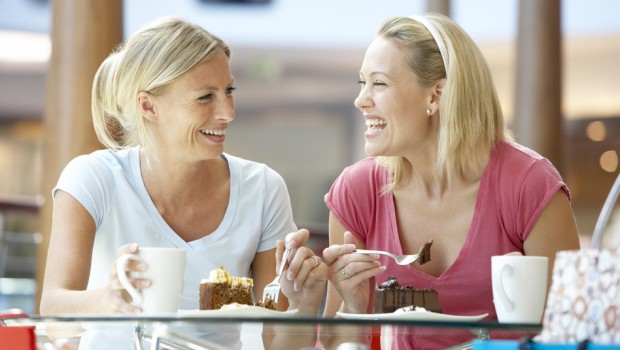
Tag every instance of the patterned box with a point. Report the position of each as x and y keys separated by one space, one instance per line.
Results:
x=584 y=299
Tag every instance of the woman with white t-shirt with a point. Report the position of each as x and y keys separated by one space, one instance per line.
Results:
x=161 y=105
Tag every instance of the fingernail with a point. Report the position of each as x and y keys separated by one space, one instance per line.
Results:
x=289 y=237
x=374 y=256
x=290 y=276
x=133 y=246
x=141 y=266
x=295 y=287
x=145 y=283
x=136 y=310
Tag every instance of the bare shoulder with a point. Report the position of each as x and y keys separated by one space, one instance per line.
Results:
x=555 y=229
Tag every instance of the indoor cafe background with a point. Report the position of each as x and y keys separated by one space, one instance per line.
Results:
x=295 y=63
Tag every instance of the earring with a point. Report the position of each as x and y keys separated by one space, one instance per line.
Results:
x=428 y=111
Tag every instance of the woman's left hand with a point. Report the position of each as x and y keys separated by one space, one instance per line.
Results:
x=304 y=280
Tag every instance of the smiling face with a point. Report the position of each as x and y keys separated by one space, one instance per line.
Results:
x=393 y=103
x=191 y=117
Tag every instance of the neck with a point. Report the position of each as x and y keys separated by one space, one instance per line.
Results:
x=172 y=180
x=419 y=169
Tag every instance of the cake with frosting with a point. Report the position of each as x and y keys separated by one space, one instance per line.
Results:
x=391 y=296
x=221 y=288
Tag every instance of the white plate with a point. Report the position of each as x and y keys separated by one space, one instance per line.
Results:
x=413 y=316
x=237 y=311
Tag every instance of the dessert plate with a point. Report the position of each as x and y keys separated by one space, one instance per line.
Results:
x=413 y=316
x=237 y=311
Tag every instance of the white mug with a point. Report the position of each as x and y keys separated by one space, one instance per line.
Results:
x=519 y=287
x=165 y=268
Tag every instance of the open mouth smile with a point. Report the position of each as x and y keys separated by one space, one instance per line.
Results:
x=216 y=132
x=375 y=126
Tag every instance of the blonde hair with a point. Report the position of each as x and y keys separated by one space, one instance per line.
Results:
x=149 y=60
x=471 y=120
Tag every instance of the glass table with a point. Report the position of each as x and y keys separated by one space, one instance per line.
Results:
x=179 y=331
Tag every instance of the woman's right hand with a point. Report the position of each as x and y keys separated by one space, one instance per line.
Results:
x=119 y=299
x=306 y=275
x=350 y=274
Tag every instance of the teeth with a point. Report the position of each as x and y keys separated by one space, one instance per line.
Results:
x=217 y=132
x=375 y=122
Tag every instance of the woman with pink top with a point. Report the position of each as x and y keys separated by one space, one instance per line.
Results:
x=441 y=168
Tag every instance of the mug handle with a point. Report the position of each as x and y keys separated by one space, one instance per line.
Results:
x=501 y=292
x=135 y=294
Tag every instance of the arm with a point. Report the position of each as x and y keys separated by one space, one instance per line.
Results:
x=68 y=265
x=333 y=301
x=303 y=282
x=305 y=278
x=357 y=288
x=263 y=272
x=553 y=231
x=360 y=267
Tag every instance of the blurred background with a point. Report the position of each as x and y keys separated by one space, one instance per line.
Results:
x=295 y=65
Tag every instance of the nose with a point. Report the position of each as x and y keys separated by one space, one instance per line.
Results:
x=226 y=110
x=363 y=100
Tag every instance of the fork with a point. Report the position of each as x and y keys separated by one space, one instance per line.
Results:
x=272 y=290
x=422 y=257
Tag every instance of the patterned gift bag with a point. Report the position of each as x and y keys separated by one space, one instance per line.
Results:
x=584 y=299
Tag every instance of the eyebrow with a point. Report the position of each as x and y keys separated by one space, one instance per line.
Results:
x=376 y=73
x=211 y=87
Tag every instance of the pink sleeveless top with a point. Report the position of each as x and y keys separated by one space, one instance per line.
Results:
x=515 y=187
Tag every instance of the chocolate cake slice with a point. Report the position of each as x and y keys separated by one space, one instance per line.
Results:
x=390 y=296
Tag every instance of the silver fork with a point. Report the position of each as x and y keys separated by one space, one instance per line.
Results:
x=422 y=257
x=272 y=290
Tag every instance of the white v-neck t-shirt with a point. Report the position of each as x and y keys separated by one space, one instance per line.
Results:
x=109 y=185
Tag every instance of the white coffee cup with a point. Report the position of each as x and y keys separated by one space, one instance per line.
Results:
x=519 y=287
x=165 y=268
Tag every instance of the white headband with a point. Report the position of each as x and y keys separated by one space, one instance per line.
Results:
x=440 y=43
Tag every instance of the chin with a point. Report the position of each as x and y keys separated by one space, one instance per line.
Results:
x=371 y=152
x=211 y=154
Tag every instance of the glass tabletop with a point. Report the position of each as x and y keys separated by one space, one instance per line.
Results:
x=211 y=330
